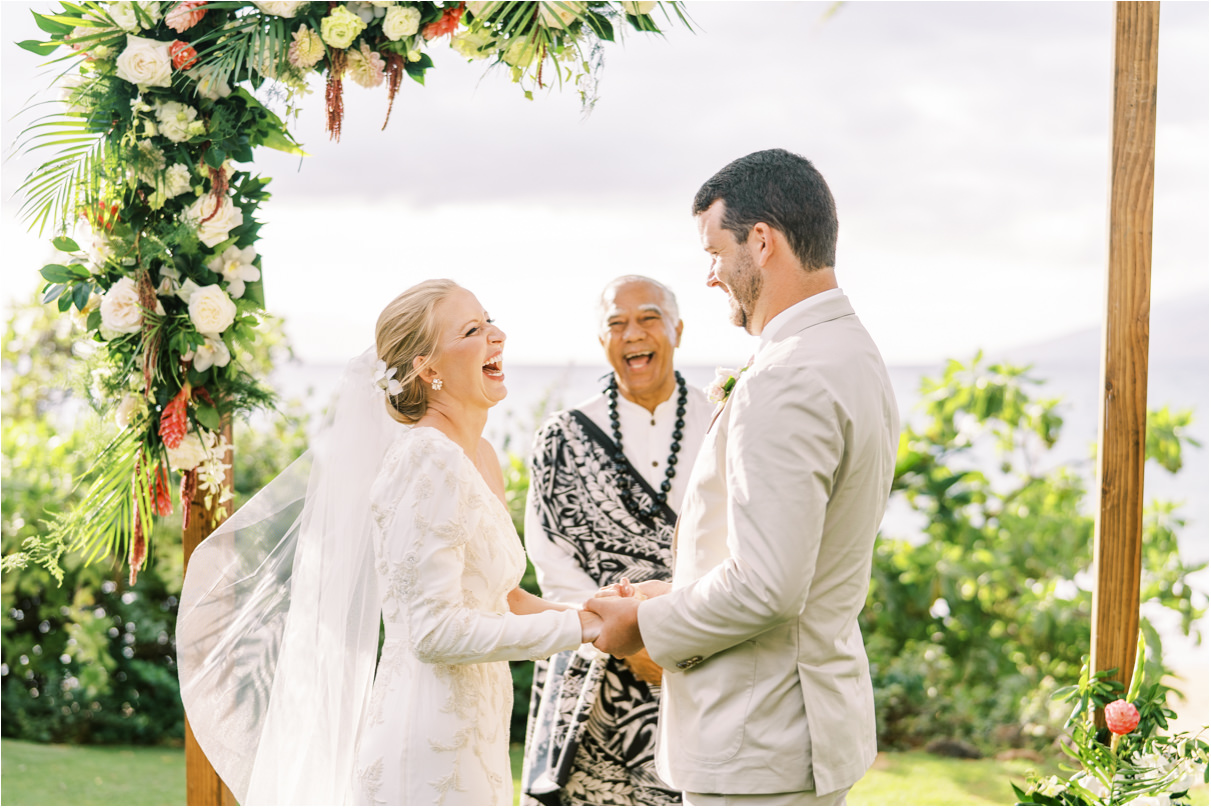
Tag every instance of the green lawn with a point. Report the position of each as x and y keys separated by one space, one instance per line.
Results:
x=37 y=774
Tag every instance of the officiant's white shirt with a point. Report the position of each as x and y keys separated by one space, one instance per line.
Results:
x=646 y=437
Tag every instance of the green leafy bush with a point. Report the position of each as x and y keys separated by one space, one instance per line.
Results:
x=91 y=661
x=990 y=603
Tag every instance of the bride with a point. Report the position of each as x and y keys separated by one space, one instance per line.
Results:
x=397 y=513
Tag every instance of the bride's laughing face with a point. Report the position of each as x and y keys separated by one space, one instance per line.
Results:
x=470 y=354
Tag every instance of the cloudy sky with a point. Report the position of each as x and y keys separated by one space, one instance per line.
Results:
x=967 y=145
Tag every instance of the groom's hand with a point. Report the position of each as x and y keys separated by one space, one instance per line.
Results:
x=620 y=633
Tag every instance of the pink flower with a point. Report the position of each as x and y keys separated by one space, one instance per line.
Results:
x=183 y=55
x=1122 y=717
x=365 y=66
x=185 y=15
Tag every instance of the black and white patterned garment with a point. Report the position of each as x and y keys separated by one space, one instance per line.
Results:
x=591 y=735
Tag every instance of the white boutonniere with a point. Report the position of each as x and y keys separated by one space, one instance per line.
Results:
x=725 y=380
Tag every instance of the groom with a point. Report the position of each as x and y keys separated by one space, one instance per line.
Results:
x=767 y=692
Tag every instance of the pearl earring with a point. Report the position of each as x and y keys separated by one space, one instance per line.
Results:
x=437 y=384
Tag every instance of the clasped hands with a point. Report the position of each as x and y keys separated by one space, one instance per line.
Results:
x=617 y=626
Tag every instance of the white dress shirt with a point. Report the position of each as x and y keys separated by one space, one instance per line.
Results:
x=646 y=437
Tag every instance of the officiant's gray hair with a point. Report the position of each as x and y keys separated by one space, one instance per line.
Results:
x=406 y=329
x=668 y=299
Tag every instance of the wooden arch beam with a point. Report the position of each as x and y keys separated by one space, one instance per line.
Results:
x=1122 y=421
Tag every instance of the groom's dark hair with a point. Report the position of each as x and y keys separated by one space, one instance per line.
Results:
x=783 y=190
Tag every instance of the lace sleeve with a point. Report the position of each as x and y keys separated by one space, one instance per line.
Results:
x=437 y=515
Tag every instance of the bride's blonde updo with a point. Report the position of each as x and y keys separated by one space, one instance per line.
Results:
x=406 y=329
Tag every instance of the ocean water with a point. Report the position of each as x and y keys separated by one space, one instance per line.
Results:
x=537 y=389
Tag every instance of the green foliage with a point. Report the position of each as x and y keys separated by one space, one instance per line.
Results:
x=92 y=660
x=1142 y=766
x=989 y=603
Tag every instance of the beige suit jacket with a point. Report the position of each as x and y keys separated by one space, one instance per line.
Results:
x=768 y=686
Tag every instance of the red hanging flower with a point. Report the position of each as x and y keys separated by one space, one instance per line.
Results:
x=174 y=421
x=138 y=547
x=183 y=55
x=189 y=487
x=1122 y=717
x=446 y=24
x=161 y=499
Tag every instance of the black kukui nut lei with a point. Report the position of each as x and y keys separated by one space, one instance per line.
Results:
x=620 y=459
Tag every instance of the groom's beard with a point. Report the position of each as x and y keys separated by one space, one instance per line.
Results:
x=745 y=288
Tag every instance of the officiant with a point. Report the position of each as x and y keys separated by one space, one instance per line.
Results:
x=606 y=480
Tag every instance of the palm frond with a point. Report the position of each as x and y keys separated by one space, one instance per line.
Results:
x=103 y=521
x=71 y=178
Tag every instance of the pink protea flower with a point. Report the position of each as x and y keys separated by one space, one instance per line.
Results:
x=1122 y=717
x=185 y=15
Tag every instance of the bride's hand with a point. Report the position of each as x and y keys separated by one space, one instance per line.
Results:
x=642 y=590
x=622 y=589
x=590 y=626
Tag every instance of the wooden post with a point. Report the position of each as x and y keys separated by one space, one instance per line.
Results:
x=202 y=783
x=1123 y=418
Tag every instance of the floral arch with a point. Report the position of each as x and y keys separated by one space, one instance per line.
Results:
x=163 y=104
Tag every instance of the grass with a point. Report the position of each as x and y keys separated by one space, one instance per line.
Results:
x=48 y=774
x=38 y=774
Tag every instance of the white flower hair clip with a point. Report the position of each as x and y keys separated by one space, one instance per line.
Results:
x=384 y=379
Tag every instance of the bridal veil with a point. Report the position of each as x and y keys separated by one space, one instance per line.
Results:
x=277 y=631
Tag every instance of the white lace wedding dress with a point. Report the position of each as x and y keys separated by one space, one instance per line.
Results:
x=437 y=728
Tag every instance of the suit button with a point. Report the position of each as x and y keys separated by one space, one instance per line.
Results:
x=688 y=663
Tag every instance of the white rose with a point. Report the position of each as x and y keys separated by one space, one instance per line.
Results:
x=177 y=180
x=281 y=9
x=211 y=353
x=174 y=119
x=211 y=310
x=131 y=406
x=640 y=8
x=123 y=15
x=120 y=309
x=189 y=453
x=214 y=231
x=401 y=21
x=152 y=9
x=145 y=62
x=558 y=14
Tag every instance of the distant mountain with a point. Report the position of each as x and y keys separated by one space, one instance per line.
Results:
x=1178 y=334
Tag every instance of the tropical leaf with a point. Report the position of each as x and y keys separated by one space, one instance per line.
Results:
x=55 y=190
x=103 y=522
